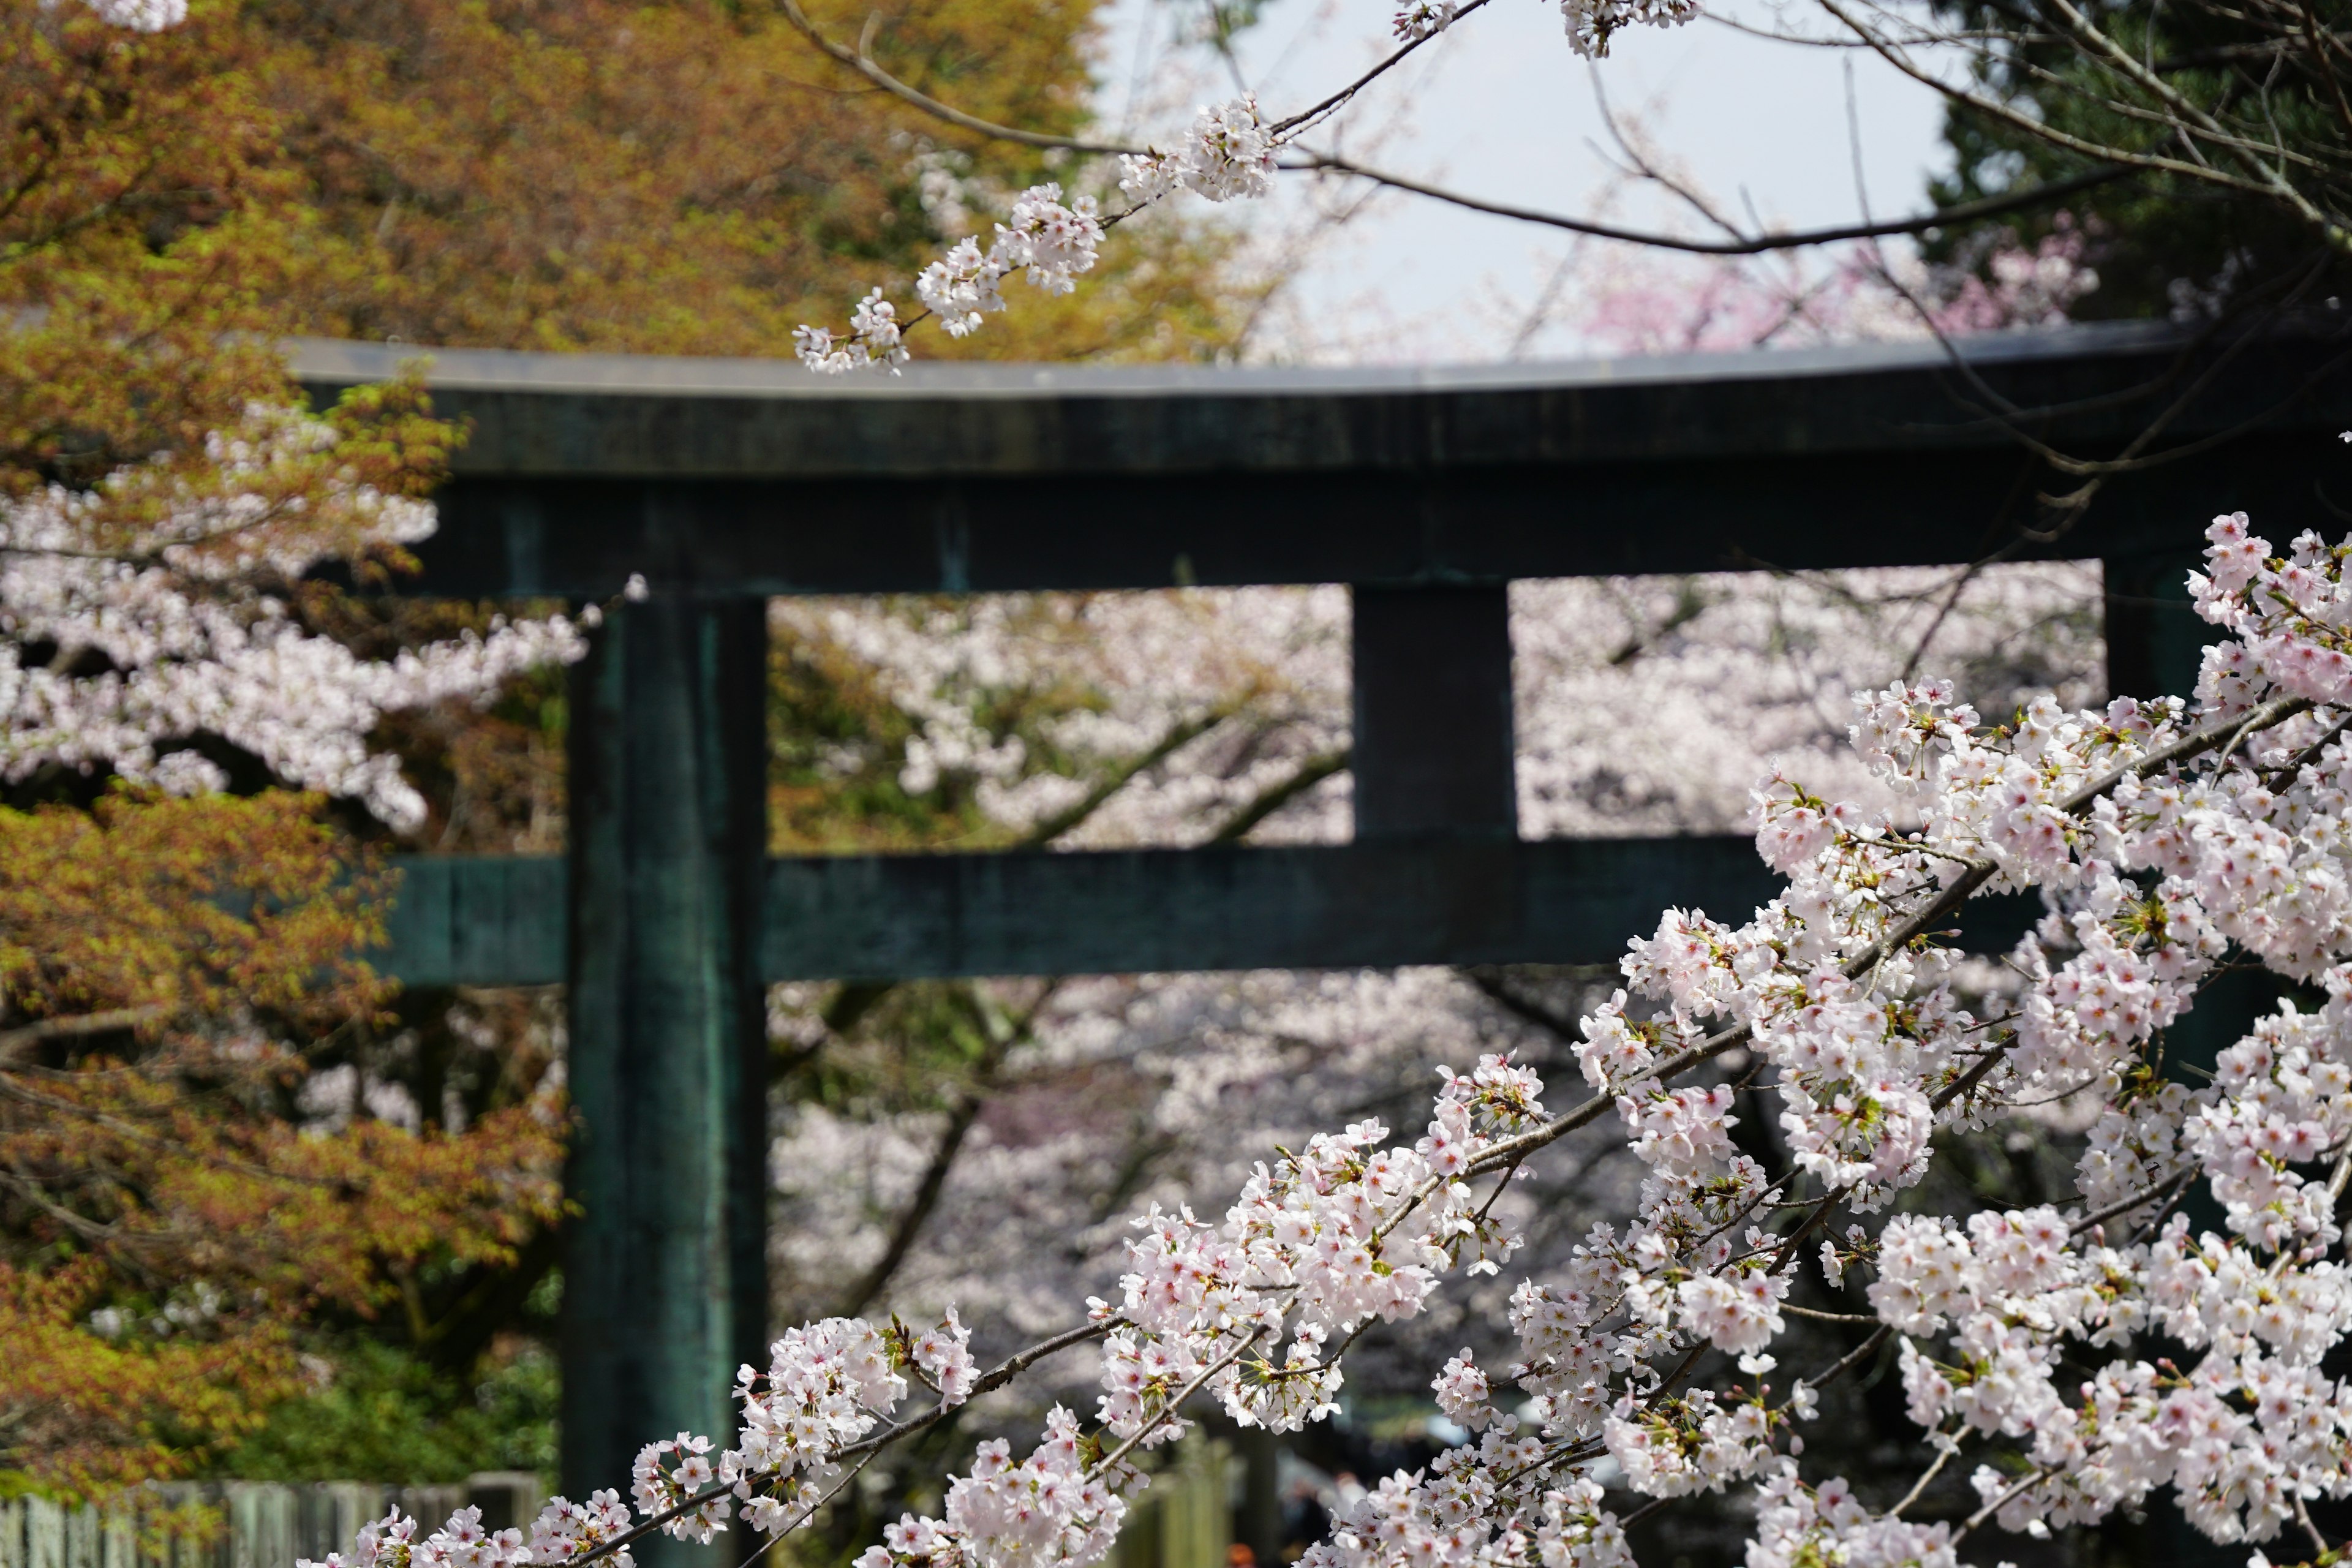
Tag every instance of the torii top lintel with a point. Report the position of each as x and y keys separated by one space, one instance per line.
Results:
x=755 y=476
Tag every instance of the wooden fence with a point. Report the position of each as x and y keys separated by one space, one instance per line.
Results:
x=250 y=1524
x=1183 y=1520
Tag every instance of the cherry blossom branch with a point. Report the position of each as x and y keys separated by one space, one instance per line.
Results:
x=2034 y=1480
x=1161 y=1416
x=1391 y=61
x=2137 y=1200
x=994 y=1378
x=1359 y=1228
x=2287 y=772
x=1954 y=895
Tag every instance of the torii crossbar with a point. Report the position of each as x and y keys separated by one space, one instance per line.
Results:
x=725 y=482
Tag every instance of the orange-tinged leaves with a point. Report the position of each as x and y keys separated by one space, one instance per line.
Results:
x=171 y=1209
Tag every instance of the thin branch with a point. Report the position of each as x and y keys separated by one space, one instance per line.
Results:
x=2310 y=1532
x=2137 y=1200
x=1921 y=1486
x=2032 y=1480
x=2287 y=772
x=1177 y=738
x=15 y=1042
x=1818 y=1316
x=919 y=1208
x=1306 y=777
x=861 y=60
x=1852 y=1359
x=1395 y=58
x=1757 y=245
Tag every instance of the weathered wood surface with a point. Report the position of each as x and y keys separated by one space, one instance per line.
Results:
x=1409 y=901
x=740 y=477
x=1432 y=747
x=666 y=1264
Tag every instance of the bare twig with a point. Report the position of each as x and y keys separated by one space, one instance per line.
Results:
x=1921 y=1487
x=15 y=1042
x=2137 y=1200
x=861 y=60
x=1748 y=245
x=1306 y=777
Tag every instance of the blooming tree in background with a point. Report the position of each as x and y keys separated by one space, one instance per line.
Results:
x=149 y=610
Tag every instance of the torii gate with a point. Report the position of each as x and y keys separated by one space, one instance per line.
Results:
x=724 y=482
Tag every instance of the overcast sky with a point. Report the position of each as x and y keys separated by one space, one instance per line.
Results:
x=1499 y=107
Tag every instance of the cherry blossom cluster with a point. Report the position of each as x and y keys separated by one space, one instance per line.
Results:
x=391 y=1542
x=1592 y=24
x=1052 y=1507
x=1798 y=1524
x=145 y=614
x=1227 y=153
x=1350 y=1231
x=564 y=1531
x=1049 y=242
x=2252 y=1427
x=1419 y=20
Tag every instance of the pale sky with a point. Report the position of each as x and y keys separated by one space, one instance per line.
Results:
x=1500 y=107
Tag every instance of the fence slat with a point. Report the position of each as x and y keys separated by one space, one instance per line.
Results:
x=269 y=1525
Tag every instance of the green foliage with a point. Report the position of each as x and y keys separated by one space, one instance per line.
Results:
x=2159 y=242
x=383 y=1414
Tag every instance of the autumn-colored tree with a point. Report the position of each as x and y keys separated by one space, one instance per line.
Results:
x=683 y=177
x=179 y=1184
x=201 y=1163
x=182 y=1186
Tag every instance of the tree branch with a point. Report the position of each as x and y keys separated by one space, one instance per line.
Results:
x=1309 y=773
x=1757 y=245
x=15 y=1042
x=861 y=60
x=960 y=1117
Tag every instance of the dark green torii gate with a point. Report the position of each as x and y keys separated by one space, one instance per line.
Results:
x=724 y=482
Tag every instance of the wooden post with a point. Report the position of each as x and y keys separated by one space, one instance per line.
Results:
x=2155 y=640
x=1433 y=711
x=665 y=1279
